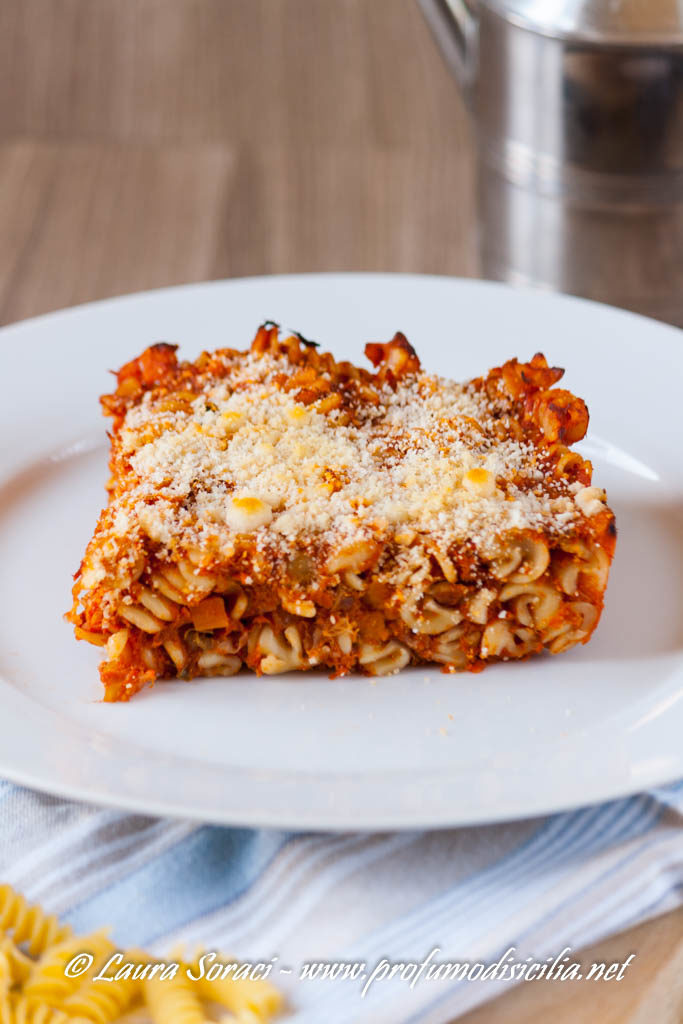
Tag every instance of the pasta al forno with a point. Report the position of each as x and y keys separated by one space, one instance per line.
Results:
x=278 y=510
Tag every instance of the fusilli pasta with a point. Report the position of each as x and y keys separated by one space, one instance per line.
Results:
x=28 y=923
x=35 y=987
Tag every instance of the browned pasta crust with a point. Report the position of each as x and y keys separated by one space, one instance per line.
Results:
x=277 y=509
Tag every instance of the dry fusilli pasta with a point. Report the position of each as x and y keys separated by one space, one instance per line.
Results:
x=35 y=987
x=28 y=923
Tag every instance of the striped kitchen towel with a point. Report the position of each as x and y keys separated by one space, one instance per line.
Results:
x=464 y=896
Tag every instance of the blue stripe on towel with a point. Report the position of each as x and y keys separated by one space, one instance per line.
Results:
x=478 y=900
x=539 y=885
x=634 y=817
x=208 y=869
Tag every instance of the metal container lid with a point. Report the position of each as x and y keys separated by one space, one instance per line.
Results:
x=618 y=22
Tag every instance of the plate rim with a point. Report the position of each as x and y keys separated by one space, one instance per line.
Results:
x=255 y=279
x=23 y=775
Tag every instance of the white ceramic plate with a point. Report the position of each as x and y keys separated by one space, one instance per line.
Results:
x=419 y=749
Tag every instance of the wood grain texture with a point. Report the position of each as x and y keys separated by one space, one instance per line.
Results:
x=84 y=221
x=151 y=142
x=651 y=991
x=294 y=71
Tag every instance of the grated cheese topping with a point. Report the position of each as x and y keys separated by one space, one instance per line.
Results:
x=248 y=458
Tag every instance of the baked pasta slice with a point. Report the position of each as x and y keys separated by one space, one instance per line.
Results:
x=279 y=510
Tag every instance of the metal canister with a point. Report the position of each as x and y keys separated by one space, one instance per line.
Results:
x=578 y=107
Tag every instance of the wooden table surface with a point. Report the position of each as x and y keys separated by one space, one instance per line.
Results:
x=153 y=142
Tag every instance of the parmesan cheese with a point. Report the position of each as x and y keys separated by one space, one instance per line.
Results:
x=425 y=460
